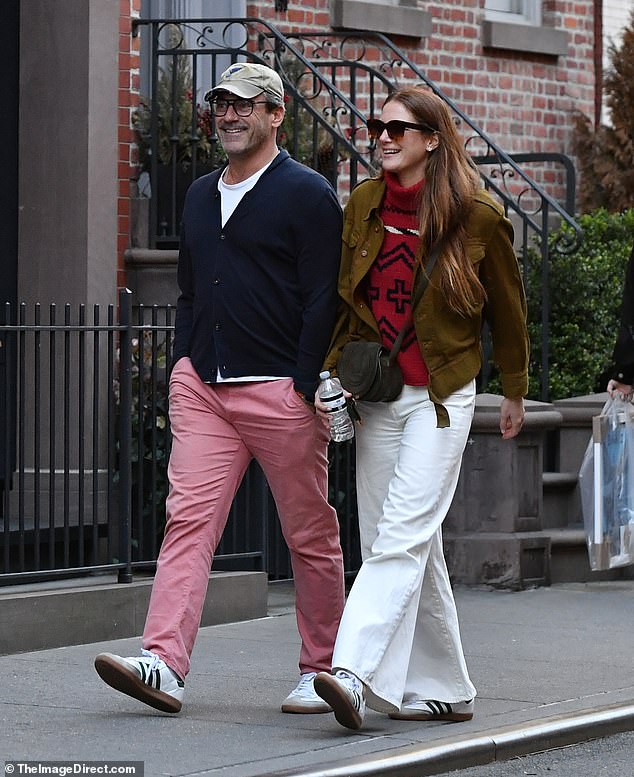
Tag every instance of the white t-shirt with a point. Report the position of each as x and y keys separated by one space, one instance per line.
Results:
x=230 y=196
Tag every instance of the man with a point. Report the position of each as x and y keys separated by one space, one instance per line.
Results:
x=258 y=266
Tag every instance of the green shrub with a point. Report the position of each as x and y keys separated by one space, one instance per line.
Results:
x=585 y=297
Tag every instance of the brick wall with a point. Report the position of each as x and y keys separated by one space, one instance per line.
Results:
x=129 y=83
x=524 y=102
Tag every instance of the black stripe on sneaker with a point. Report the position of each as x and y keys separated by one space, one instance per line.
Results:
x=143 y=671
x=157 y=679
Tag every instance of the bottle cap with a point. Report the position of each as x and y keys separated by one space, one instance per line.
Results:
x=323 y=375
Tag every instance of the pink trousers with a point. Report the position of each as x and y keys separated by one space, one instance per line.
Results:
x=216 y=431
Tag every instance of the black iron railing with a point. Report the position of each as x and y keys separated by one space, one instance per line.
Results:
x=333 y=82
x=86 y=438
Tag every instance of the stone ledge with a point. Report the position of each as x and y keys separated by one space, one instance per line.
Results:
x=524 y=37
x=42 y=617
x=150 y=257
x=388 y=19
x=560 y=481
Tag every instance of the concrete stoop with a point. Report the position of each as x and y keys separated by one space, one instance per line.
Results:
x=518 y=560
x=563 y=524
x=569 y=560
x=43 y=616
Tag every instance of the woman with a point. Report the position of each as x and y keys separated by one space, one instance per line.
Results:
x=398 y=648
x=623 y=357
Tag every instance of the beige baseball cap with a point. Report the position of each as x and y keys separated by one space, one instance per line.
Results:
x=248 y=79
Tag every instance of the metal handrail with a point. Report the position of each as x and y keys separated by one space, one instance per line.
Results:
x=322 y=62
x=283 y=44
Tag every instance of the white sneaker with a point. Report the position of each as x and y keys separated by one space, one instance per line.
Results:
x=345 y=694
x=419 y=709
x=146 y=678
x=304 y=699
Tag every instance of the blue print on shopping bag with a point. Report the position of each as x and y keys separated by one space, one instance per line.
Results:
x=606 y=482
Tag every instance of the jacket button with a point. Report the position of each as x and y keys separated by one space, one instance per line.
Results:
x=218 y=327
x=216 y=281
x=222 y=235
x=364 y=252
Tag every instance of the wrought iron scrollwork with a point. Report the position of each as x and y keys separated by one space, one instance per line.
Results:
x=333 y=81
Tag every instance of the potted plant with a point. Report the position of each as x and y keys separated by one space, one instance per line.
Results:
x=183 y=142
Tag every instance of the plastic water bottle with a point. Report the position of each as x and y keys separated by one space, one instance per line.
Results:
x=331 y=394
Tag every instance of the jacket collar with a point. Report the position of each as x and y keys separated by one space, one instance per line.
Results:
x=376 y=188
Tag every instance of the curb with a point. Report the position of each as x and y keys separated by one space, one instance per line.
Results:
x=496 y=745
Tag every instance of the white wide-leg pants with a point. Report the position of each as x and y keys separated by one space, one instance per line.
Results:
x=399 y=632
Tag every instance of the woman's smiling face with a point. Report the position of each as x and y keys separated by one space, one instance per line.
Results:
x=405 y=158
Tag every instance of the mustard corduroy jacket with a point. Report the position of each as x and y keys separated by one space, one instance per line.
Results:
x=449 y=342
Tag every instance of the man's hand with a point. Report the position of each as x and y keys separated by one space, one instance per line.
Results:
x=511 y=417
x=320 y=407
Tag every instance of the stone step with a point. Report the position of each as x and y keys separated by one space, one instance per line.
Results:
x=569 y=559
x=561 y=503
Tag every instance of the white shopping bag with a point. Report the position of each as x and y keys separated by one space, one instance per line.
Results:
x=606 y=482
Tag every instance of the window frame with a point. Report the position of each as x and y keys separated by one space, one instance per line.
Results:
x=530 y=14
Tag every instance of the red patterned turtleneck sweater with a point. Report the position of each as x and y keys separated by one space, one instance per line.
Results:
x=389 y=285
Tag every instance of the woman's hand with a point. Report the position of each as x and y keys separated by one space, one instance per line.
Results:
x=620 y=390
x=511 y=417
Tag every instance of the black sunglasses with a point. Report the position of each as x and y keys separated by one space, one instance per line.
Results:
x=395 y=128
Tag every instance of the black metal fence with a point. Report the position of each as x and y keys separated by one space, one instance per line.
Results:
x=333 y=81
x=85 y=434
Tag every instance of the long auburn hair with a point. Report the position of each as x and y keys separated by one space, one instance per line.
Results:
x=451 y=182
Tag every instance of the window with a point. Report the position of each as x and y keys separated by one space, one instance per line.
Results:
x=514 y=11
x=516 y=25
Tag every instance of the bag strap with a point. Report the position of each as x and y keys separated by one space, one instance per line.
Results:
x=422 y=285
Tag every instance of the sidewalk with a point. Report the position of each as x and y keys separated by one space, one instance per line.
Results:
x=552 y=666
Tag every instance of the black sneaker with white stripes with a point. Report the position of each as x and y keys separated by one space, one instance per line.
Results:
x=146 y=678
x=420 y=709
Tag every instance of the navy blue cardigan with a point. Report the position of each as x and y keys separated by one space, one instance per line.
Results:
x=259 y=296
